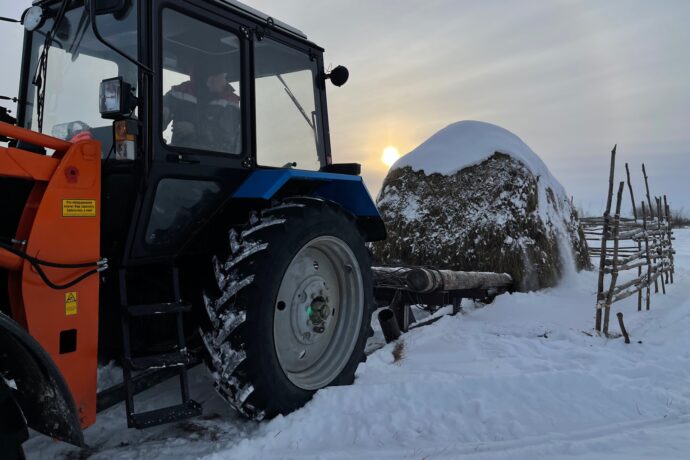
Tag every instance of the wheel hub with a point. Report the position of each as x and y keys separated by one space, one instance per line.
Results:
x=319 y=311
x=311 y=310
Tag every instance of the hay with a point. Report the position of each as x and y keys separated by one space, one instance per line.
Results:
x=485 y=217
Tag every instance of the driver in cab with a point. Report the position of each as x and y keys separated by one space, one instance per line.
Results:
x=204 y=112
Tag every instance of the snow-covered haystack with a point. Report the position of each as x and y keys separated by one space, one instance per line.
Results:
x=475 y=197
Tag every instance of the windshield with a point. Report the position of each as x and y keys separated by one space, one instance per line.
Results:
x=77 y=62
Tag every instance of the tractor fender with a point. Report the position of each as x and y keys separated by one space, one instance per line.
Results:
x=42 y=394
x=348 y=191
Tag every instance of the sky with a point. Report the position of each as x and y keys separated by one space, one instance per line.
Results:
x=571 y=78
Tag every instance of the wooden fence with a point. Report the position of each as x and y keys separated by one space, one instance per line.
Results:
x=635 y=253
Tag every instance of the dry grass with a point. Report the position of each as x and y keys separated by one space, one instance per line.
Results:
x=399 y=351
x=448 y=222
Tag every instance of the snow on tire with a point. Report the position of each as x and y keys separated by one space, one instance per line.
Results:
x=294 y=311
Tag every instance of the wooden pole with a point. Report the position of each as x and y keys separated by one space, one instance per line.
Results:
x=614 y=269
x=651 y=217
x=604 y=236
x=623 y=331
x=639 y=243
x=632 y=195
x=649 y=199
x=670 y=237
x=609 y=199
x=660 y=245
x=649 y=259
x=664 y=241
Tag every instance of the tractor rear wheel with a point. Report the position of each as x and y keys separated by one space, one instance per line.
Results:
x=295 y=307
x=13 y=431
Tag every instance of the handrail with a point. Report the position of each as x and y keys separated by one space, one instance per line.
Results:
x=32 y=137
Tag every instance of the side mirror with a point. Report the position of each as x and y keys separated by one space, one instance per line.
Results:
x=109 y=6
x=339 y=75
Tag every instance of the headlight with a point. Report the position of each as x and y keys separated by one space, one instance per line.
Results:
x=116 y=98
x=32 y=18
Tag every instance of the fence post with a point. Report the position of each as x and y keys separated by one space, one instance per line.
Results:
x=632 y=195
x=649 y=259
x=604 y=239
x=614 y=265
x=660 y=244
x=651 y=217
x=670 y=237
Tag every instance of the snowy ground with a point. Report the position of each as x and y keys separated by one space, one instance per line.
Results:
x=522 y=378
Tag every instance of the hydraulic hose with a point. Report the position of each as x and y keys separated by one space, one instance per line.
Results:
x=37 y=264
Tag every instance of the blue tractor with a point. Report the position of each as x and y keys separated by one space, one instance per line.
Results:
x=170 y=198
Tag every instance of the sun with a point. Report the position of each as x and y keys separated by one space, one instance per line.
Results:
x=390 y=155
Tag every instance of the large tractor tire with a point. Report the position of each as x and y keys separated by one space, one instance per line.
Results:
x=295 y=307
x=13 y=431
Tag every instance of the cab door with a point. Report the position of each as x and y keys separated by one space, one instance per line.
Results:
x=200 y=132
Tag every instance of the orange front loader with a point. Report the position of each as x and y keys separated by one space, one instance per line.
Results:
x=53 y=264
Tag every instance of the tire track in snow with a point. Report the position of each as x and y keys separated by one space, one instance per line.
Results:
x=506 y=447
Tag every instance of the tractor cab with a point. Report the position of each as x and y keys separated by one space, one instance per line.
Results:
x=186 y=98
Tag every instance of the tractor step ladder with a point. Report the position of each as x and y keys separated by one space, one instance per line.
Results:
x=179 y=358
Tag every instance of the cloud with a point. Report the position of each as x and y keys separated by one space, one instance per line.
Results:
x=570 y=77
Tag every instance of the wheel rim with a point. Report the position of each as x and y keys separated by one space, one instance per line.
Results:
x=318 y=312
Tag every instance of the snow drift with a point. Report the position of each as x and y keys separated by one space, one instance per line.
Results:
x=475 y=197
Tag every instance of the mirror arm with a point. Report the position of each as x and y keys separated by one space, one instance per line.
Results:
x=94 y=27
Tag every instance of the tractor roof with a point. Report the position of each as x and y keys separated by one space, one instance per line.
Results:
x=246 y=10
x=263 y=17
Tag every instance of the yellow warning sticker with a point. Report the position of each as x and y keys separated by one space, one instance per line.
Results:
x=78 y=208
x=70 y=303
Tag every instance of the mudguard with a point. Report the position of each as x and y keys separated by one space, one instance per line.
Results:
x=346 y=190
x=42 y=393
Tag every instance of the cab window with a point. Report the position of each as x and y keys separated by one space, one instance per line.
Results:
x=288 y=118
x=201 y=85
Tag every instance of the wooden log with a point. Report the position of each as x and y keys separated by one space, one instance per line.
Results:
x=629 y=258
x=631 y=234
x=426 y=280
x=624 y=295
x=614 y=269
x=599 y=221
x=623 y=287
x=621 y=251
x=622 y=268
x=635 y=288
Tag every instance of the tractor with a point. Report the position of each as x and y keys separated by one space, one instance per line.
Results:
x=169 y=199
